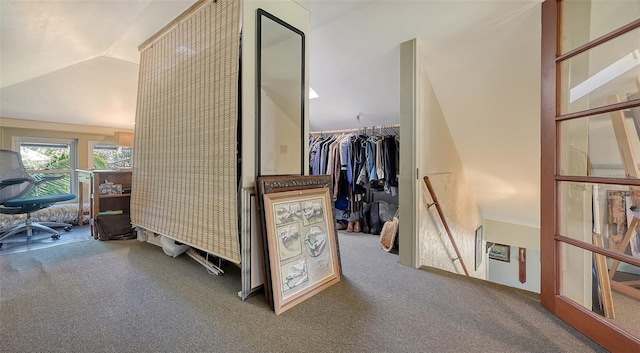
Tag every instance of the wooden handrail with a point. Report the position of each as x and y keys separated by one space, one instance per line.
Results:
x=427 y=182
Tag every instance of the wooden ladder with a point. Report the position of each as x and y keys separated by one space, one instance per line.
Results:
x=630 y=164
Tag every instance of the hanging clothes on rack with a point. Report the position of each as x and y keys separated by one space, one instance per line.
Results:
x=390 y=151
x=358 y=161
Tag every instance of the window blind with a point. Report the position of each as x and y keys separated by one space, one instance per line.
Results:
x=184 y=165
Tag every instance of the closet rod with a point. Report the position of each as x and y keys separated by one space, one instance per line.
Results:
x=370 y=128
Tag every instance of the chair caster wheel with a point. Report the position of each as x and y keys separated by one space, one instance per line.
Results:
x=67 y=229
x=55 y=236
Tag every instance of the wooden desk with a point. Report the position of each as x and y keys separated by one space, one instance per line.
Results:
x=100 y=203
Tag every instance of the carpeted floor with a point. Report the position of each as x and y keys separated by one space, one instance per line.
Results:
x=41 y=240
x=128 y=296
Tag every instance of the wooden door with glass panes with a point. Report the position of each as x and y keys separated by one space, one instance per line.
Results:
x=590 y=184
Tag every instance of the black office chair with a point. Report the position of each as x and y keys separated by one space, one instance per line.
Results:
x=15 y=182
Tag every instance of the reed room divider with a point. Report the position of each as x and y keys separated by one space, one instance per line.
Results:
x=185 y=159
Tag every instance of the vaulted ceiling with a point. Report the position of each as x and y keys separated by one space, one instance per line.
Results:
x=77 y=62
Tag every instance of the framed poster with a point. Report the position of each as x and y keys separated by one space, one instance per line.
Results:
x=500 y=252
x=479 y=247
x=301 y=242
x=282 y=183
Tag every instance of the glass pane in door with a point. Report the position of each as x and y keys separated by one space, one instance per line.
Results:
x=586 y=20
x=591 y=146
x=608 y=210
x=589 y=79
x=604 y=286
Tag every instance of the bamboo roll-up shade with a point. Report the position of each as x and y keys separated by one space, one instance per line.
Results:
x=184 y=174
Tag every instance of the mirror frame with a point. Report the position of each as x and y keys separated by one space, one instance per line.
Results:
x=260 y=14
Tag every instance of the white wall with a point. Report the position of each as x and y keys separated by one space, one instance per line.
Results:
x=408 y=178
x=437 y=158
x=516 y=236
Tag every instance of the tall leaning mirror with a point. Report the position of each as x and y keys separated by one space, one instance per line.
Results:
x=279 y=97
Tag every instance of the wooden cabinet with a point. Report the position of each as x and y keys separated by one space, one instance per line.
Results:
x=103 y=203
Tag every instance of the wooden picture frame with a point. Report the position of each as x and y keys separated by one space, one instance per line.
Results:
x=500 y=252
x=479 y=247
x=301 y=242
x=281 y=183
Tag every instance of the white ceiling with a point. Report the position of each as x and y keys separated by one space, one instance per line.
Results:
x=77 y=61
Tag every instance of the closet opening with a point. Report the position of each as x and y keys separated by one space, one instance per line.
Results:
x=364 y=167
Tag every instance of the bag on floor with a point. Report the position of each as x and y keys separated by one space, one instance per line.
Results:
x=116 y=227
x=171 y=247
x=388 y=233
x=375 y=221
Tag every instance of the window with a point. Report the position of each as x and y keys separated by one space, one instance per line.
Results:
x=109 y=156
x=42 y=156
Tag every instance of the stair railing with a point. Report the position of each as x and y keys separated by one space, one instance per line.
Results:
x=427 y=182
